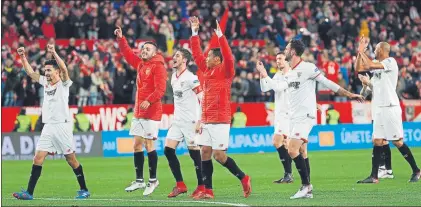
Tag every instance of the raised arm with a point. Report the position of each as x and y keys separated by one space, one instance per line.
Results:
x=363 y=62
x=26 y=65
x=63 y=68
x=126 y=51
x=369 y=64
x=359 y=63
x=267 y=83
x=228 y=58
x=197 y=53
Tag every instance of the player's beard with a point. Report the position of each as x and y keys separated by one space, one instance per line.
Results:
x=288 y=57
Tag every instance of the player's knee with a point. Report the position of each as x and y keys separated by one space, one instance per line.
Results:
x=149 y=146
x=71 y=160
x=138 y=147
x=303 y=153
x=276 y=143
x=378 y=142
x=293 y=152
x=398 y=143
x=38 y=160
x=220 y=156
x=206 y=153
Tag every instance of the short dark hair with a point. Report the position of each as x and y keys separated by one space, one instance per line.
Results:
x=186 y=54
x=280 y=53
x=51 y=62
x=151 y=43
x=217 y=53
x=298 y=46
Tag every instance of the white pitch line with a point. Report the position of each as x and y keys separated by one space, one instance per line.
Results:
x=132 y=200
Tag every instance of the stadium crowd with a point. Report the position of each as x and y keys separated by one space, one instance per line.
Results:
x=330 y=29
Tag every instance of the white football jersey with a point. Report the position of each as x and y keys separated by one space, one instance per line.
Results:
x=55 y=105
x=384 y=83
x=186 y=102
x=302 y=90
x=281 y=97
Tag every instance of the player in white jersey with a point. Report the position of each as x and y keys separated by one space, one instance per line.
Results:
x=385 y=165
x=281 y=123
x=300 y=83
x=388 y=116
x=186 y=123
x=57 y=134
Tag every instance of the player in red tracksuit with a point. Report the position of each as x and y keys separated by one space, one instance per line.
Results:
x=217 y=71
x=150 y=82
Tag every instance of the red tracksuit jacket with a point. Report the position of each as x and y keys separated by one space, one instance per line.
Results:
x=150 y=81
x=216 y=82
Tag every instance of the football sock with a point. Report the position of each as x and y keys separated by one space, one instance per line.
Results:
x=174 y=163
x=382 y=161
x=407 y=154
x=300 y=164
x=35 y=174
x=139 y=159
x=233 y=168
x=375 y=160
x=80 y=177
x=153 y=163
x=207 y=171
x=285 y=158
x=387 y=157
x=308 y=167
x=197 y=160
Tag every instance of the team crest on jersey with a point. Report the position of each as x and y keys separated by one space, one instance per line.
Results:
x=295 y=85
x=182 y=83
x=52 y=92
x=299 y=74
x=148 y=71
x=178 y=94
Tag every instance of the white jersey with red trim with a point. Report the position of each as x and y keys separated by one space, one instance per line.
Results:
x=302 y=90
x=384 y=83
x=186 y=88
x=55 y=105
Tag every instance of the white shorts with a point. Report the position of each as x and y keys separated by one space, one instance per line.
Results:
x=145 y=128
x=183 y=131
x=216 y=136
x=388 y=123
x=300 y=128
x=282 y=127
x=57 y=139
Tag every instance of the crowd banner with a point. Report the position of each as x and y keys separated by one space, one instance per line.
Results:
x=21 y=146
x=109 y=117
x=259 y=139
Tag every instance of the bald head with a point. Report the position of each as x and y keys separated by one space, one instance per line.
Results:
x=385 y=47
x=382 y=50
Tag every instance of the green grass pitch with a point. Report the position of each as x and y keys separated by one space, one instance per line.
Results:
x=333 y=174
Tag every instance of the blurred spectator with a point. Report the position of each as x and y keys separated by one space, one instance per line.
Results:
x=48 y=28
